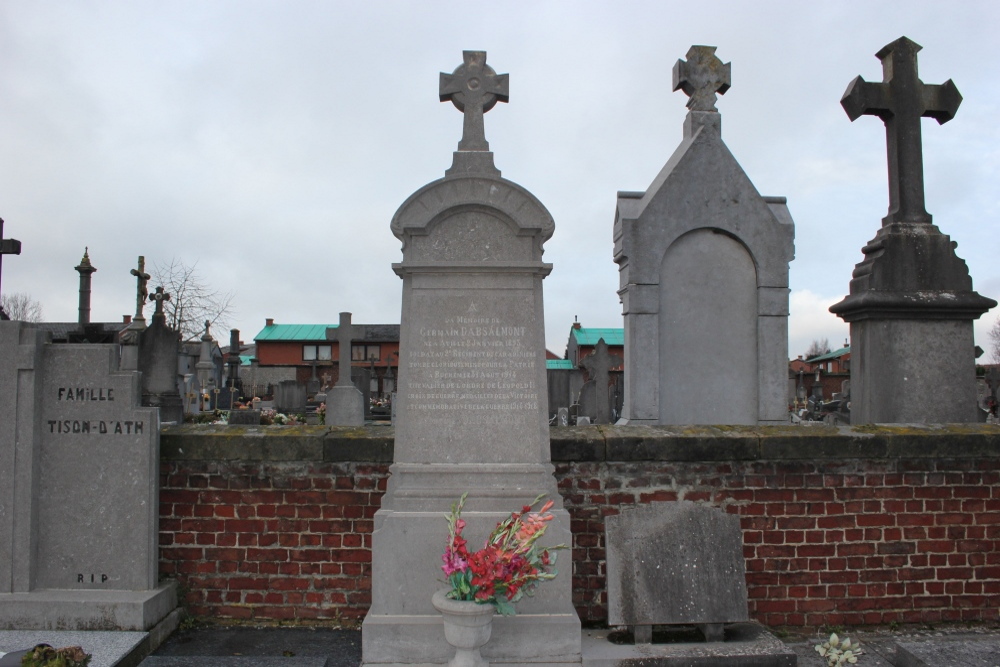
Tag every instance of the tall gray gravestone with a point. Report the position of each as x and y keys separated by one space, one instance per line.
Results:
x=703 y=264
x=911 y=304
x=470 y=408
x=79 y=489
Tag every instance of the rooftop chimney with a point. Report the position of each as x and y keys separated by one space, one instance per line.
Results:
x=269 y=322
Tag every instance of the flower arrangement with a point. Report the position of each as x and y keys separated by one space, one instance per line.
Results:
x=270 y=417
x=837 y=652
x=321 y=411
x=509 y=566
x=44 y=655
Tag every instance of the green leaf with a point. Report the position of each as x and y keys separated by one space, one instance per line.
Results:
x=504 y=607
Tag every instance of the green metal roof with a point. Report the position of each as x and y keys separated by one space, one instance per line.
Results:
x=245 y=359
x=830 y=355
x=558 y=364
x=294 y=332
x=591 y=336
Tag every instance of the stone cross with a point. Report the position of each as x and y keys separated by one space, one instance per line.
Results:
x=159 y=297
x=141 y=292
x=344 y=335
x=599 y=364
x=7 y=247
x=701 y=77
x=901 y=100
x=474 y=88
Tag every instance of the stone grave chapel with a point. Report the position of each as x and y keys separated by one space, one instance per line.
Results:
x=703 y=265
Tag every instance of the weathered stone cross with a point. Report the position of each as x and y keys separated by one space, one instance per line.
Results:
x=159 y=298
x=599 y=364
x=701 y=77
x=901 y=100
x=141 y=291
x=7 y=247
x=474 y=88
x=344 y=336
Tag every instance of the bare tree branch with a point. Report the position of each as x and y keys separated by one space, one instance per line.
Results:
x=192 y=302
x=995 y=340
x=20 y=306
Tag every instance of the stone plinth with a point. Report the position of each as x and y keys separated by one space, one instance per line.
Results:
x=703 y=265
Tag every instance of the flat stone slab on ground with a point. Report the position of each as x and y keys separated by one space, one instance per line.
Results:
x=260 y=647
x=233 y=661
x=109 y=649
x=958 y=652
x=747 y=644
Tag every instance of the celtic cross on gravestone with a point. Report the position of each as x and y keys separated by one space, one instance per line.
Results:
x=474 y=88
x=701 y=77
x=901 y=100
x=159 y=297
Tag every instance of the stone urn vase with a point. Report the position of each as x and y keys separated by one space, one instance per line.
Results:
x=467 y=627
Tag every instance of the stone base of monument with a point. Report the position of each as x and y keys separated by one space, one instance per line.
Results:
x=746 y=644
x=87 y=609
x=345 y=406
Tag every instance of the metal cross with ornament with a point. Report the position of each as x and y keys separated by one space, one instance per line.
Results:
x=7 y=247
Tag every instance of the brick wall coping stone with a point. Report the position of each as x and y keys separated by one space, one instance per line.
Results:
x=600 y=443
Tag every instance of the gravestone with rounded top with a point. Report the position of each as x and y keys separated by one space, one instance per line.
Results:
x=470 y=404
x=79 y=473
x=703 y=263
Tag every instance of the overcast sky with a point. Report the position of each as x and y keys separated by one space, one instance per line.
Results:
x=271 y=142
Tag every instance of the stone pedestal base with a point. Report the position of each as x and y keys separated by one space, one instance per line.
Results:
x=87 y=609
x=912 y=371
x=345 y=406
x=402 y=626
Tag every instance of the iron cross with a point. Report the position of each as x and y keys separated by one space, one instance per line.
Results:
x=7 y=247
x=901 y=100
x=701 y=77
x=141 y=291
x=474 y=88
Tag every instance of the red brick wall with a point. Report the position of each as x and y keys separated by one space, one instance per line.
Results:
x=270 y=541
x=833 y=542
x=839 y=541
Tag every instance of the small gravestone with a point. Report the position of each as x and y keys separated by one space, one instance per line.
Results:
x=345 y=404
x=563 y=417
x=598 y=365
x=79 y=489
x=158 y=362
x=244 y=418
x=675 y=563
x=290 y=396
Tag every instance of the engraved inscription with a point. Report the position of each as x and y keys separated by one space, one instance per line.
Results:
x=94 y=579
x=479 y=366
x=86 y=394
x=96 y=426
